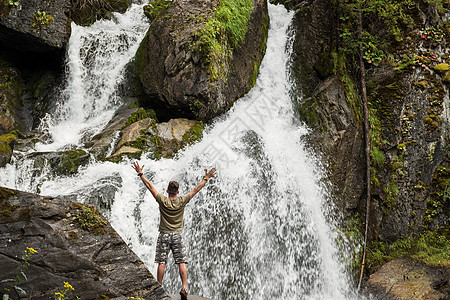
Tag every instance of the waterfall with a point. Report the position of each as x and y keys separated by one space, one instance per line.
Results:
x=259 y=229
x=97 y=56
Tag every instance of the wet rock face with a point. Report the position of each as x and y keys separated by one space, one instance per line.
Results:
x=183 y=80
x=85 y=13
x=10 y=88
x=36 y=25
x=337 y=134
x=74 y=244
x=336 y=131
x=405 y=278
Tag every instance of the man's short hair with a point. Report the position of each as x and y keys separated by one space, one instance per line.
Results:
x=173 y=187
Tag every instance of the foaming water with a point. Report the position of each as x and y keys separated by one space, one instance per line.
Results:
x=97 y=56
x=259 y=229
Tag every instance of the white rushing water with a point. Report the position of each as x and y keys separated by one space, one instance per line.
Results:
x=259 y=229
x=97 y=56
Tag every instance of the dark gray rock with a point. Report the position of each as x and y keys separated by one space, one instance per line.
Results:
x=85 y=13
x=19 y=28
x=336 y=133
x=184 y=82
x=103 y=142
x=96 y=265
x=10 y=87
x=63 y=163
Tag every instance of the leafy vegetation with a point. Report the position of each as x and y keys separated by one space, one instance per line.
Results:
x=20 y=277
x=13 y=3
x=63 y=293
x=430 y=247
x=41 y=19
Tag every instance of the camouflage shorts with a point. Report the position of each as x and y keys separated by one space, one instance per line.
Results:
x=170 y=241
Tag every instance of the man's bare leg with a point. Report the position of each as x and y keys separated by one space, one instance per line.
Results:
x=160 y=273
x=183 y=275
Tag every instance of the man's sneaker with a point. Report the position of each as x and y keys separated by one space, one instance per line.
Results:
x=183 y=294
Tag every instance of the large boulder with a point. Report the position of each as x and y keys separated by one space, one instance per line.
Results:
x=35 y=25
x=405 y=278
x=103 y=143
x=198 y=57
x=162 y=139
x=75 y=244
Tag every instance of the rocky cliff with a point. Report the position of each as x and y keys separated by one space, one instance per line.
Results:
x=406 y=69
x=61 y=241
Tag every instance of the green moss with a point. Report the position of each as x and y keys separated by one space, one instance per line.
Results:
x=194 y=134
x=326 y=64
x=6 y=209
x=391 y=194
x=140 y=114
x=90 y=220
x=439 y=196
x=141 y=57
x=442 y=68
x=41 y=20
x=155 y=7
x=423 y=84
x=70 y=161
x=139 y=143
x=351 y=95
x=116 y=5
x=5 y=142
x=227 y=26
x=377 y=157
x=262 y=48
x=432 y=248
x=308 y=113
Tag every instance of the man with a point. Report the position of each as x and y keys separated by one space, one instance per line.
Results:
x=171 y=224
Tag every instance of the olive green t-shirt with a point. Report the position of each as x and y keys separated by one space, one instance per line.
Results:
x=171 y=212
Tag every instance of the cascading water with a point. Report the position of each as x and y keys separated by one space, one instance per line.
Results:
x=97 y=56
x=259 y=229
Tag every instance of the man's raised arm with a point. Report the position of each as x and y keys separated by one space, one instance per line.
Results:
x=147 y=183
x=202 y=183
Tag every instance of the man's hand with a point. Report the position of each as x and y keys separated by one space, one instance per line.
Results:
x=202 y=183
x=210 y=174
x=147 y=183
x=137 y=167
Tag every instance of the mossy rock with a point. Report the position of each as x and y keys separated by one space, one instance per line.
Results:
x=61 y=163
x=85 y=13
x=422 y=84
x=91 y=220
x=7 y=142
x=308 y=113
x=155 y=7
x=194 y=134
x=6 y=208
x=441 y=68
x=446 y=78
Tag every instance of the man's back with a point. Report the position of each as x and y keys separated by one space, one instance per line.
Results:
x=172 y=212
